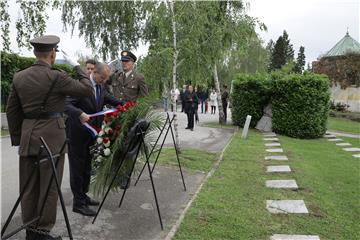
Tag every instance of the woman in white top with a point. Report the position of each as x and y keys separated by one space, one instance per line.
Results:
x=213 y=100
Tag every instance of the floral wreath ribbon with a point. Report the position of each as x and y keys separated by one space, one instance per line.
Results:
x=91 y=129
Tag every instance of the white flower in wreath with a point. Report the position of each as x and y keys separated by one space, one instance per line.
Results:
x=101 y=133
x=107 y=130
x=99 y=140
x=107 y=152
x=107 y=144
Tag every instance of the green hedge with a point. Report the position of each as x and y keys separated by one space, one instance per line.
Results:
x=300 y=104
x=11 y=63
x=249 y=96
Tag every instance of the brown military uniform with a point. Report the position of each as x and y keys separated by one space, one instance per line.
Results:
x=28 y=92
x=128 y=88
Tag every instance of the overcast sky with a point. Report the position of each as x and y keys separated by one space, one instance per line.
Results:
x=315 y=24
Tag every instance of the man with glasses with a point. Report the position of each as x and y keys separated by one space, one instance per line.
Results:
x=127 y=85
x=80 y=138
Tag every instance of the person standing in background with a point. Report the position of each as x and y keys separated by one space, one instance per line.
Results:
x=224 y=100
x=89 y=65
x=213 y=101
x=182 y=98
x=191 y=100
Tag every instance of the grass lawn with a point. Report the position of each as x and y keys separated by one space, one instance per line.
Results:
x=232 y=203
x=4 y=132
x=344 y=125
x=190 y=159
x=354 y=141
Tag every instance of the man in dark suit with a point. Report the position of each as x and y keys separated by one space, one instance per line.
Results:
x=127 y=85
x=80 y=139
x=191 y=102
x=35 y=109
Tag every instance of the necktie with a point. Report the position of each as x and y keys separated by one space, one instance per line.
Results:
x=97 y=94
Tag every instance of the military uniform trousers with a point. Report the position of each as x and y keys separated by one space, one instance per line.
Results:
x=35 y=192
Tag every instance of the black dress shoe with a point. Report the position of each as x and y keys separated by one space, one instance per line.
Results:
x=187 y=128
x=92 y=202
x=84 y=210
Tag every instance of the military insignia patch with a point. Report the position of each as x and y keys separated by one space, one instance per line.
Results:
x=124 y=53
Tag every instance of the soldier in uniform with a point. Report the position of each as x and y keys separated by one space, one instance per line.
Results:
x=35 y=108
x=127 y=85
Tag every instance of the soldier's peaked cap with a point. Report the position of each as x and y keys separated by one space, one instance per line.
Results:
x=45 y=43
x=128 y=56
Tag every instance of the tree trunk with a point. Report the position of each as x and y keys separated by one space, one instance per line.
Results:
x=218 y=92
x=173 y=100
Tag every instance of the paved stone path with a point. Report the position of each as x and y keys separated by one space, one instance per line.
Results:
x=281 y=184
x=342 y=134
x=331 y=136
x=293 y=237
x=278 y=169
x=286 y=206
x=283 y=206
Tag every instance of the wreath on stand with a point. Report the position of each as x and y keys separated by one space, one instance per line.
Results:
x=111 y=144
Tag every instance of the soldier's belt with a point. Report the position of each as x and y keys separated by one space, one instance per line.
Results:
x=44 y=115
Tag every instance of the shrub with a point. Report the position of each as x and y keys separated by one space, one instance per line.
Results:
x=300 y=104
x=340 y=107
x=11 y=63
x=250 y=95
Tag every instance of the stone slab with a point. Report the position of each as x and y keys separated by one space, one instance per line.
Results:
x=271 y=139
x=329 y=136
x=270 y=135
x=278 y=168
x=279 y=158
x=272 y=144
x=293 y=237
x=286 y=206
x=352 y=149
x=343 y=144
x=356 y=155
x=274 y=150
x=281 y=184
x=335 y=140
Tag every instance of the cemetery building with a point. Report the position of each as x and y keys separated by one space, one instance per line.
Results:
x=342 y=65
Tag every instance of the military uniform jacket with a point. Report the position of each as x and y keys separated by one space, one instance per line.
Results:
x=128 y=88
x=28 y=92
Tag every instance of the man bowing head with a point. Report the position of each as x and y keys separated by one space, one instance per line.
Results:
x=80 y=139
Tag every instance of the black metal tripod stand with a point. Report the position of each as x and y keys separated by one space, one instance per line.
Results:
x=136 y=142
x=168 y=123
x=54 y=159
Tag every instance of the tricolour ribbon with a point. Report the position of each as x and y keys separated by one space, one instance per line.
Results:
x=90 y=128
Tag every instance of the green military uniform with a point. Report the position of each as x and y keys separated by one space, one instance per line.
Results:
x=127 y=88
x=26 y=124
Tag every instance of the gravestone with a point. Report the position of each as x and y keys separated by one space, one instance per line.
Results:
x=246 y=127
x=286 y=206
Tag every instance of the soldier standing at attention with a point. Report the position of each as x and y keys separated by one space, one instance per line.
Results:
x=127 y=85
x=35 y=109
